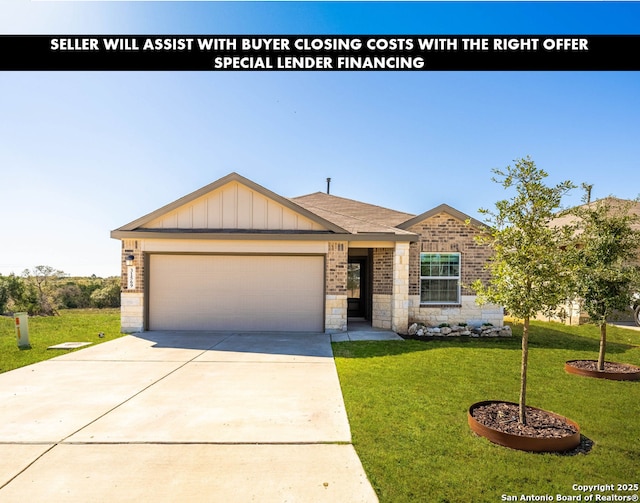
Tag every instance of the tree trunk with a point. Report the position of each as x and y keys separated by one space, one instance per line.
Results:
x=523 y=371
x=603 y=346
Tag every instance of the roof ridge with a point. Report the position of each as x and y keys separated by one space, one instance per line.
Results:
x=353 y=217
x=441 y=208
x=353 y=201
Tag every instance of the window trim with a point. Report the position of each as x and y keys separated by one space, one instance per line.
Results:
x=458 y=278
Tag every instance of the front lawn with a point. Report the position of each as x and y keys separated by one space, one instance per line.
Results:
x=407 y=404
x=73 y=325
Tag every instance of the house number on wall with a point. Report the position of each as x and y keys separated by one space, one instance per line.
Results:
x=131 y=277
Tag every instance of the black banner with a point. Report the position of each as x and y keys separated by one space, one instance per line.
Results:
x=318 y=53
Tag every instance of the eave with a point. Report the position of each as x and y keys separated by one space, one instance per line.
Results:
x=261 y=236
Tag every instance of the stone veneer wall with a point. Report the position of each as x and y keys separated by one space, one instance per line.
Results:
x=400 y=295
x=131 y=312
x=381 y=311
x=446 y=233
x=336 y=287
x=468 y=312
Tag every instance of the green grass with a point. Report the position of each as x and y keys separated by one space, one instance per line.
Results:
x=73 y=325
x=407 y=404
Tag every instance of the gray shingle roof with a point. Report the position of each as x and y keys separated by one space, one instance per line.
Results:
x=354 y=216
x=337 y=215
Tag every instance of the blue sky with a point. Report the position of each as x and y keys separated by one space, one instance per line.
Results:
x=82 y=153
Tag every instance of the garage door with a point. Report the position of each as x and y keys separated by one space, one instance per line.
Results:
x=236 y=292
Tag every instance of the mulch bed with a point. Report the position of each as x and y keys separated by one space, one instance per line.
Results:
x=592 y=365
x=503 y=417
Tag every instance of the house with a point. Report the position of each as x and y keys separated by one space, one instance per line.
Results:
x=572 y=312
x=236 y=256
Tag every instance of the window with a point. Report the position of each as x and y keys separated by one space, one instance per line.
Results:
x=439 y=278
x=353 y=280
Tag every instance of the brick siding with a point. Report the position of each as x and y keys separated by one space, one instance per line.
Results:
x=130 y=247
x=445 y=233
x=382 y=271
x=336 y=268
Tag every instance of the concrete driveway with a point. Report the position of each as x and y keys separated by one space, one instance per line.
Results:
x=181 y=417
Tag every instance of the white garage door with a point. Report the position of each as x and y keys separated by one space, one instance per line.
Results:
x=236 y=292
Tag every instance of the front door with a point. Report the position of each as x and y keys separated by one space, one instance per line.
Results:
x=356 y=287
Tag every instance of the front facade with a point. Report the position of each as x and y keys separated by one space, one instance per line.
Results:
x=236 y=256
x=446 y=244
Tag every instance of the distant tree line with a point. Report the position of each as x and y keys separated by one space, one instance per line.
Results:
x=44 y=290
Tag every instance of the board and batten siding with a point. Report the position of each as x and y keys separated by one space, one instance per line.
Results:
x=234 y=206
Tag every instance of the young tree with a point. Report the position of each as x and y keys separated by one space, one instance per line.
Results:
x=606 y=259
x=529 y=273
x=42 y=280
x=19 y=296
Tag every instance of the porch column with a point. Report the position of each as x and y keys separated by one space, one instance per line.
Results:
x=400 y=294
x=335 y=318
x=132 y=288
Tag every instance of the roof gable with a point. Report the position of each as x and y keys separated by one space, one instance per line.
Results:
x=232 y=203
x=443 y=208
